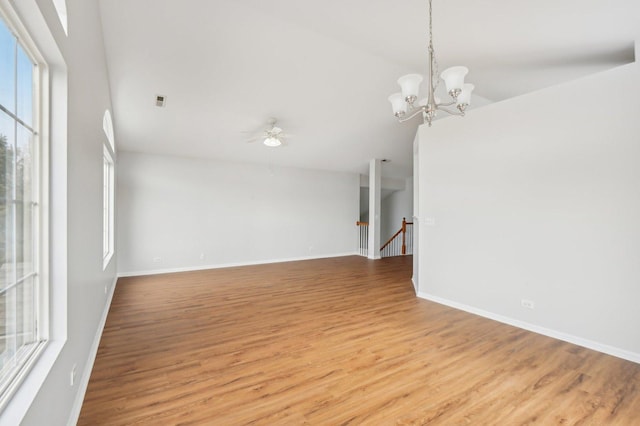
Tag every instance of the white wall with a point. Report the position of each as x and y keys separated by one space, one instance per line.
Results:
x=397 y=205
x=175 y=209
x=77 y=207
x=537 y=198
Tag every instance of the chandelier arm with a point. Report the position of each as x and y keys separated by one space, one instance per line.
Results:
x=413 y=114
x=448 y=111
x=447 y=104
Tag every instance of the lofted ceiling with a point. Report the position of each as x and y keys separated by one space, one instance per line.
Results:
x=324 y=69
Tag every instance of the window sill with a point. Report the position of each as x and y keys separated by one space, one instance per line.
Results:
x=19 y=404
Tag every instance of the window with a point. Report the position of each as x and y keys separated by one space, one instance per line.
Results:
x=21 y=294
x=61 y=10
x=107 y=126
x=108 y=183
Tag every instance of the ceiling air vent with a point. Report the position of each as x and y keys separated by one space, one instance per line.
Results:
x=160 y=100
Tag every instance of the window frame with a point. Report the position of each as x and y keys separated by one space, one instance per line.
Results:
x=108 y=210
x=40 y=223
x=31 y=22
x=61 y=11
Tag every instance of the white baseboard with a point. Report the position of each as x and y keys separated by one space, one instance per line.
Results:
x=86 y=374
x=586 y=343
x=230 y=265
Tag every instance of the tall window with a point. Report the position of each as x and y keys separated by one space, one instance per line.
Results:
x=61 y=9
x=20 y=307
x=108 y=190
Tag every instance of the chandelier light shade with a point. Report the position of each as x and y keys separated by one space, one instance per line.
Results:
x=404 y=105
x=464 y=98
x=454 y=79
x=410 y=85
x=398 y=103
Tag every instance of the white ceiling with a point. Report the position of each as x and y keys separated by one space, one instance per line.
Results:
x=325 y=69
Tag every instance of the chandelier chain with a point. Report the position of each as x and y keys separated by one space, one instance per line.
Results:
x=434 y=78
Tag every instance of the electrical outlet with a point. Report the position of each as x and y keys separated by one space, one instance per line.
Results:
x=202 y=256
x=157 y=259
x=72 y=376
x=106 y=288
x=529 y=304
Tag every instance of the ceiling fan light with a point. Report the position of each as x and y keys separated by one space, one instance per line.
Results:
x=272 y=142
x=410 y=85
x=454 y=78
x=398 y=104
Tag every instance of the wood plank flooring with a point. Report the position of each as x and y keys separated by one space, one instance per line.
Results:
x=340 y=341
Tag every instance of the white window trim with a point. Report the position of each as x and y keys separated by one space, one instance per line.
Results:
x=41 y=186
x=107 y=126
x=108 y=198
x=25 y=17
x=61 y=10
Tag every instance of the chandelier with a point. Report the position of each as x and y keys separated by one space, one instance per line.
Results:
x=403 y=104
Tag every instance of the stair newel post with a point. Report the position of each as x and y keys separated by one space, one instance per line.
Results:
x=404 y=235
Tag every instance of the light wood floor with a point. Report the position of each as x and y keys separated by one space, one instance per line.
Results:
x=334 y=342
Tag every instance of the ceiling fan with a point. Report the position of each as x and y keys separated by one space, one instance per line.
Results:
x=272 y=136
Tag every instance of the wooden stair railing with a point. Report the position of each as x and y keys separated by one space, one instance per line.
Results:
x=392 y=247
